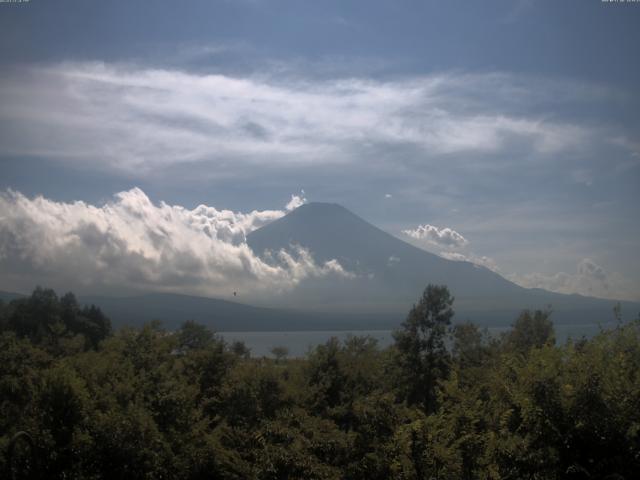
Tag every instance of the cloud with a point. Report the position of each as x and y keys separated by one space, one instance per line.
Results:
x=138 y=121
x=133 y=243
x=582 y=176
x=448 y=244
x=295 y=202
x=590 y=279
x=483 y=260
x=438 y=236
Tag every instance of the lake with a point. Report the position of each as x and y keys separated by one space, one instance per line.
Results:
x=298 y=343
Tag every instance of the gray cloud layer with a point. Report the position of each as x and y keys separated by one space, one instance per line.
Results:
x=138 y=120
x=590 y=279
x=132 y=243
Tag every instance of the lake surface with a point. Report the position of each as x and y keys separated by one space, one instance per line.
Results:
x=299 y=343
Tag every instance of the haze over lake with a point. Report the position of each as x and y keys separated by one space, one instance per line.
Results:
x=299 y=344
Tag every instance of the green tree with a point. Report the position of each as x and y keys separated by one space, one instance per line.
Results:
x=95 y=325
x=280 y=353
x=59 y=324
x=37 y=317
x=251 y=393
x=531 y=330
x=469 y=345
x=340 y=374
x=194 y=336
x=88 y=321
x=240 y=349
x=422 y=355
x=326 y=378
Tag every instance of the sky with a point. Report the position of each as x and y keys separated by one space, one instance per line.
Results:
x=141 y=141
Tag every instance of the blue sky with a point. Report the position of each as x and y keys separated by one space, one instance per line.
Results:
x=513 y=124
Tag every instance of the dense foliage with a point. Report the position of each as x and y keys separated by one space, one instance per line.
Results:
x=445 y=402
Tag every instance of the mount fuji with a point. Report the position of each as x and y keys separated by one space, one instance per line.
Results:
x=388 y=274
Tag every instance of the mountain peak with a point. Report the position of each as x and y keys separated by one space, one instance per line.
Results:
x=321 y=205
x=321 y=218
x=329 y=230
x=313 y=207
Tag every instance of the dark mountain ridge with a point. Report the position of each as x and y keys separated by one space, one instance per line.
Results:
x=223 y=315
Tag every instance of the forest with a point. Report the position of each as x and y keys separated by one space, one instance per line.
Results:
x=445 y=401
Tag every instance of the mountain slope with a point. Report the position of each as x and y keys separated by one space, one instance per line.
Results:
x=391 y=274
x=330 y=231
x=8 y=296
x=222 y=315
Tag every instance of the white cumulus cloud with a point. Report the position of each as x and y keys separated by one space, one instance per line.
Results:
x=133 y=243
x=438 y=236
x=295 y=202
